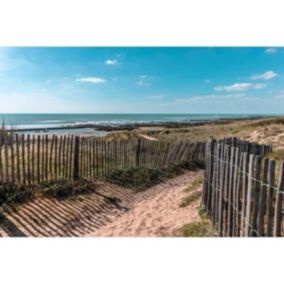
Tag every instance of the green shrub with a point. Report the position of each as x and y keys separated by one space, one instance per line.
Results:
x=197 y=229
x=63 y=189
x=142 y=178
x=14 y=194
x=200 y=164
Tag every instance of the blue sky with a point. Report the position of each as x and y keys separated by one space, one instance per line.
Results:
x=142 y=80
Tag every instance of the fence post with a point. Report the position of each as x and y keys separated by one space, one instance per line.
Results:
x=137 y=157
x=206 y=175
x=278 y=204
x=76 y=175
x=211 y=173
x=269 y=200
x=249 y=195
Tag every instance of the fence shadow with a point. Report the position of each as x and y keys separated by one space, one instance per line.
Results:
x=9 y=227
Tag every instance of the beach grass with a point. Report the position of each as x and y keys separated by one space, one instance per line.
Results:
x=200 y=228
x=12 y=196
x=197 y=229
x=195 y=184
x=141 y=178
x=190 y=198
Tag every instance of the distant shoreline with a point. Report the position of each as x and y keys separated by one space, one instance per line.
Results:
x=133 y=126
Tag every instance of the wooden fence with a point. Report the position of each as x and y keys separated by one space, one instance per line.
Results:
x=33 y=159
x=239 y=191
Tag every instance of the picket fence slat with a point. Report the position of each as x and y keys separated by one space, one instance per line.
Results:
x=238 y=190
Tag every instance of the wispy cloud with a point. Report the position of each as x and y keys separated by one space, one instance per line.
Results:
x=265 y=76
x=111 y=62
x=144 y=80
x=280 y=95
x=155 y=97
x=92 y=80
x=207 y=81
x=240 y=87
x=209 y=98
x=270 y=50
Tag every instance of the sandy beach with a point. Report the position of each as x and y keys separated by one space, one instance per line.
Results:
x=159 y=214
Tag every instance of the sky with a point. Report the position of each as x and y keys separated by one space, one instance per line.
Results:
x=142 y=80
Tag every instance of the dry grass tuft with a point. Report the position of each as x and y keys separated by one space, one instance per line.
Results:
x=189 y=199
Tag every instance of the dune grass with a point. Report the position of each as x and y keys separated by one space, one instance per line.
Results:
x=201 y=228
x=195 y=184
x=12 y=196
x=197 y=229
x=238 y=128
x=190 y=198
x=63 y=189
x=142 y=178
x=193 y=196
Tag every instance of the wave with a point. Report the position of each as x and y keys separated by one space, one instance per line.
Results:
x=115 y=121
x=50 y=121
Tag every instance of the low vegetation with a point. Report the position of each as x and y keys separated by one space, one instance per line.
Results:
x=15 y=195
x=202 y=228
x=190 y=198
x=195 y=184
x=143 y=178
x=270 y=121
x=193 y=196
x=277 y=154
x=64 y=189
x=197 y=229
x=243 y=129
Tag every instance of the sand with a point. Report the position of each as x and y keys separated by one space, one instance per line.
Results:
x=158 y=215
x=154 y=212
x=148 y=137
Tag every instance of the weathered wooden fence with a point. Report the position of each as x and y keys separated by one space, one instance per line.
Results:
x=239 y=191
x=33 y=159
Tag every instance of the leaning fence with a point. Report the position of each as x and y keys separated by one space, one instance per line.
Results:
x=32 y=159
x=240 y=192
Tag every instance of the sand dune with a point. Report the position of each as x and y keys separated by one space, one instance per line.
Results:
x=158 y=215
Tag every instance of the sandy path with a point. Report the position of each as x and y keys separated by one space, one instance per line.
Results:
x=158 y=215
x=147 y=137
x=88 y=213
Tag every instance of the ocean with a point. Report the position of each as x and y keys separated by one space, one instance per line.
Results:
x=20 y=121
x=47 y=123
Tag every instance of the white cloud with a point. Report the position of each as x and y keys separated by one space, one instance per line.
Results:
x=144 y=80
x=210 y=98
x=240 y=87
x=141 y=83
x=92 y=80
x=111 y=62
x=280 y=95
x=270 y=50
x=259 y=86
x=155 y=97
x=207 y=81
x=265 y=76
